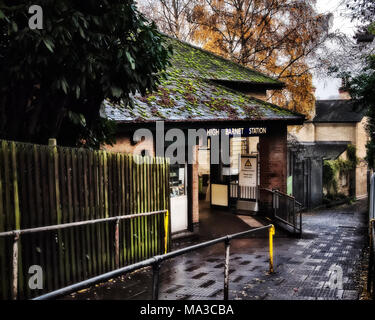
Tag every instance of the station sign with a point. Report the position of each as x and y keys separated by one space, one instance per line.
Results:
x=237 y=132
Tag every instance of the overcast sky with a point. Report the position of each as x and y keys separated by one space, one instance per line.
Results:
x=328 y=88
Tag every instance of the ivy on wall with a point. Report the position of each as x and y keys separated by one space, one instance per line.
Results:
x=333 y=168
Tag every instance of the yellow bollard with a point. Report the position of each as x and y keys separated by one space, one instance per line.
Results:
x=271 y=233
x=166 y=231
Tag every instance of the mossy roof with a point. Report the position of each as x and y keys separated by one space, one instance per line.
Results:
x=192 y=61
x=187 y=92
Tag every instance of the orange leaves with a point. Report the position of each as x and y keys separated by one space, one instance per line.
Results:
x=274 y=36
x=198 y=13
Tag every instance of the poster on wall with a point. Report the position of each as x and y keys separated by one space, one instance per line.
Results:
x=248 y=171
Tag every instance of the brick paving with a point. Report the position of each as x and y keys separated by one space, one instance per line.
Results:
x=333 y=241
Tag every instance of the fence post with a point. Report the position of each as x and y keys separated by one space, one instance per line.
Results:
x=370 y=275
x=117 y=243
x=271 y=233
x=52 y=142
x=373 y=257
x=275 y=200
x=155 y=280
x=226 y=269
x=166 y=231
x=294 y=216
x=15 y=267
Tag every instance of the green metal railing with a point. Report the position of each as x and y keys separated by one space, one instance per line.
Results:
x=16 y=234
x=157 y=261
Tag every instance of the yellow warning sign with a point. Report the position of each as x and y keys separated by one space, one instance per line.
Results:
x=248 y=171
x=248 y=164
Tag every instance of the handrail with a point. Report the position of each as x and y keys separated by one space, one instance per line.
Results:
x=156 y=261
x=283 y=194
x=77 y=224
x=275 y=203
x=17 y=233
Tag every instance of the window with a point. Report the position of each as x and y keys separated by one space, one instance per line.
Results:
x=177 y=180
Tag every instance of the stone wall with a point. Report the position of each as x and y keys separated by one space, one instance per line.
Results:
x=361 y=180
x=361 y=138
x=305 y=133
x=361 y=170
x=335 y=132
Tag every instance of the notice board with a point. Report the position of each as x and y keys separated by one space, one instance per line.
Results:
x=248 y=171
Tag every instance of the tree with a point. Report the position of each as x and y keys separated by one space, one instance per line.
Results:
x=362 y=89
x=275 y=36
x=362 y=85
x=362 y=10
x=53 y=81
x=171 y=16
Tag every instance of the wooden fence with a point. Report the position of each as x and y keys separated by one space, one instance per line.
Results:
x=47 y=185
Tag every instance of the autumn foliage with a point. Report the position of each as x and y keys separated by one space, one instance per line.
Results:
x=274 y=36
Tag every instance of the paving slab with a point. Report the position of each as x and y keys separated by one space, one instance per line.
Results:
x=323 y=265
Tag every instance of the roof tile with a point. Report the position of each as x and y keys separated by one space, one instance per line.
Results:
x=187 y=93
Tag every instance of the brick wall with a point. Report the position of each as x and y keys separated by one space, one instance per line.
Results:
x=273 y=159
x=123 y=144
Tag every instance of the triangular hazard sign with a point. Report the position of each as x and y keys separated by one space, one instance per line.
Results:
x=248 y=164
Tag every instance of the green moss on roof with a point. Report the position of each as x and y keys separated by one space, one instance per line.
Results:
x=190 y=61
x=186 y=92
x=196 y=99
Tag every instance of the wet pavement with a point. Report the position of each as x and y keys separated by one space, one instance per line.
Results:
x=305 y=269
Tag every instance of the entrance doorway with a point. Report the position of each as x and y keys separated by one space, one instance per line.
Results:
x=204 y=172
x=245 y=174
x=233 y=186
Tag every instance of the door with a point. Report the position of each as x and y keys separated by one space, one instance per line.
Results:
x=179 y=201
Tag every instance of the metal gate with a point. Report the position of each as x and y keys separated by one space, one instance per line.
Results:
x=244 y=197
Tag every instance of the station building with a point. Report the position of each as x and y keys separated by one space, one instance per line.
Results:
x=201 y=90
